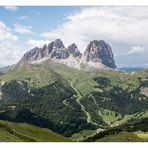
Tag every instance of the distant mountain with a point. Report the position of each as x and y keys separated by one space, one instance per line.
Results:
x=131 y=69
x=6 y=69
x=73 y=49
x=100 y=52
x=98 y=55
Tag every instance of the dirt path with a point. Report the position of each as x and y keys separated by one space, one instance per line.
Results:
x=78 y=100
x=1 y=84
x=66 y=104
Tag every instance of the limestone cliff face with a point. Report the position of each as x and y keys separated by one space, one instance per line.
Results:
x=55 y=49
x=97 y=54
x=73 y=49
x=100 y=51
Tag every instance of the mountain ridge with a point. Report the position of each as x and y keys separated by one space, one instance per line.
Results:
x=99 y=57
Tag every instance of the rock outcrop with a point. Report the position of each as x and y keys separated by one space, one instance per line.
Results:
x=98 y=55
x=55 y=49
x=73 y=49
x=100 y=52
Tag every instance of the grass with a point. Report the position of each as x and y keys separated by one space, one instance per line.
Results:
x=129 y=117
x=36 y=75
x=23 y=132
x=8 y=137
x=122 y=137
x=82 y=80
x=42 y=75
x=78 y=100
x=143 y=135
x=82 y=135
x=109 y=116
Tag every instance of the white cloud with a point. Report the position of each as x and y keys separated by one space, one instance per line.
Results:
x=6 y=34
x=23 y=29
x=10 y=53
x=37 y=43
x=11 y=8
x=136 y=50
x=114 y=24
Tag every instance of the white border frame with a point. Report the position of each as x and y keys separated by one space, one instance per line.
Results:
x=72 y=2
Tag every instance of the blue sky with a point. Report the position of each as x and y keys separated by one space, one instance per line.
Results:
x=48 y=16
x=22 y=28
x=41 y=19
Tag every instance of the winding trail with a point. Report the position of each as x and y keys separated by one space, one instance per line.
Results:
x=66 y=104
x=78 y=100
x=1 y=84
x=0 y=93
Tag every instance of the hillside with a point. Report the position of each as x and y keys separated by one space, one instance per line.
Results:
x=68 y=100
x=133 y=131
x=125 y=137
x=22 y=132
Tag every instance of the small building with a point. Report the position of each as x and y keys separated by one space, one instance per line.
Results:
x=100 y=130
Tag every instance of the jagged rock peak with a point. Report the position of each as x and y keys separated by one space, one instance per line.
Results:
x=58 y=44
x=58 y=50
x=33 y=54
x=73 y=49
x=100 y=51
x=54 y=49
x=96 y=53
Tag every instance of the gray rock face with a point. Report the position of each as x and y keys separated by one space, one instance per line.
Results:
x=33 y=54
x=58 y=50
x=55 y=49
x=100 y=51
x=73 y=49
x=96 y=51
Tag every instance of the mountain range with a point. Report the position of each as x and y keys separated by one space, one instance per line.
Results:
x=68 y=92
x=98 y=55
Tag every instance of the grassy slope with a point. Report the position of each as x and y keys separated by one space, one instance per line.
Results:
x=8 y=137
x=122 y=137
x=143 y=135
x=109 y=116
x=38 y=75
x=84 y=83
x=78 y=100
x=82 y=135
x=81 y=80
x=25 y=132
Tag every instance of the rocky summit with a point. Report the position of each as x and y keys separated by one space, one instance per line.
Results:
x=100 y=51
x=98 y=55
x=73 y=49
